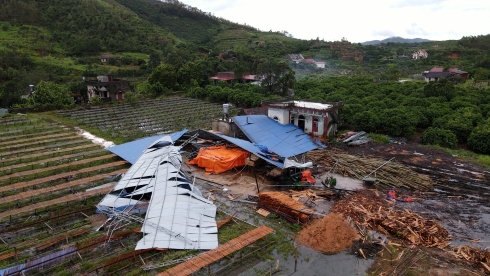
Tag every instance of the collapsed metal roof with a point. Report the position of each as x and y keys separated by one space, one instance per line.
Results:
x=178 y=217
x=132 y=150
x=284 y=140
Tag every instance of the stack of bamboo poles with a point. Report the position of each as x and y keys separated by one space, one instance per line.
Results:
x=391 y=174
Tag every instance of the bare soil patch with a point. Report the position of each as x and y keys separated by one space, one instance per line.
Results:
x=331 y=234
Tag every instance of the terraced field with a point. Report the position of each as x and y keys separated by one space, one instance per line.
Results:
x=130 y=121
x=51 y=178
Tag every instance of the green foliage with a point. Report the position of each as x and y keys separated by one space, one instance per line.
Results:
x=399 y=121
x=379 y=138
x=478 y=139
x=367 y=121
x=50 y=94
x=441 y=88
x=440 y=137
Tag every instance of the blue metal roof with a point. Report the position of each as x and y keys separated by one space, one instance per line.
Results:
x=284 y=140
x=131 y=151
x=246 y=145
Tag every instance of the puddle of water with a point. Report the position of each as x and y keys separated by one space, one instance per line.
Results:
x=311 y=262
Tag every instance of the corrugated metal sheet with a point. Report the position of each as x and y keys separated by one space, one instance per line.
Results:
x=178 y=217
x=38 y=263
x=131 y=151
x=284 y=140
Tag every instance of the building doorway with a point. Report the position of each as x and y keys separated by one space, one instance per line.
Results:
x=301 y=122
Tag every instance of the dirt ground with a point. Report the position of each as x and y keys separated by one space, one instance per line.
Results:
x=331 y=234
x=460 y=201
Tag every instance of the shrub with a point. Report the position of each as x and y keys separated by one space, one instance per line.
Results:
x=478 y=139
x=438 y=136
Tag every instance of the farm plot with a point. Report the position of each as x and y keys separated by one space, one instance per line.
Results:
x=130 y=121
x=50 y=180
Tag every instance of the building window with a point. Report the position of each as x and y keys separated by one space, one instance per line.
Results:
x=276 y=118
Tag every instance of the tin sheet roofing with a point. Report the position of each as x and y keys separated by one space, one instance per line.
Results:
x=178 y=217
x=132 y=150
x=284 y=140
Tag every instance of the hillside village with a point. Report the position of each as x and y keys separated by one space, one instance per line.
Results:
x=153 y=138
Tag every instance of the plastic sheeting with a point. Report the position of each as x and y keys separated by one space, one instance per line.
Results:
x=219 y=159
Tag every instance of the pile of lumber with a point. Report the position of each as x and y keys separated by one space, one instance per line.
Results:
x=281 y=203
x=372 y=212
x=476 y=256
x=311 y=195
x=391 y=174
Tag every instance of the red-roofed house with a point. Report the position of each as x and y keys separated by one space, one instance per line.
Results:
x=456 y=71
x=230 y=76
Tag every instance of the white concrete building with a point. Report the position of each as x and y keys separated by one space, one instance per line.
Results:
x=316 y=118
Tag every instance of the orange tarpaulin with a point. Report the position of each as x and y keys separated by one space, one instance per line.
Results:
x=219 y=159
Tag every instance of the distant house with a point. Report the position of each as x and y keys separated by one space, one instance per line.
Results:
x=320 y=64
x=107 y=88
x=296 y=58
x=105 y=57
x=435 y=74
x=457 y=72
x=230 y=76
x=420 y=54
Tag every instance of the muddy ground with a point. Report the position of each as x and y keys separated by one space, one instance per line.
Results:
x=460 y=201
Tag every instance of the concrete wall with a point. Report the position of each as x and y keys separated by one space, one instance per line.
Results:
x=282 y=115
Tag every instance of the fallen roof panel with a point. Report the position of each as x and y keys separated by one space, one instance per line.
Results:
x=284 y=140
x=131 y=151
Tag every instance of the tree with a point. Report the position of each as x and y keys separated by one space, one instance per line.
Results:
x=400 y=51
x=166 y=75
x=399 y=121
x=478 y=139
x=441 y=88
x=278 y=77
x=438 y=136
x=155 y=60
x=50 y=94
x=367 y=121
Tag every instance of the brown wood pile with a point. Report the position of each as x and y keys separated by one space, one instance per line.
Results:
x=476 y=256
x=392 y=174
x=311 y=195
x=277 y=201
x=370 y=211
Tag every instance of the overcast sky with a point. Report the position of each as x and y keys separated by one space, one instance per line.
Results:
x=358 y=21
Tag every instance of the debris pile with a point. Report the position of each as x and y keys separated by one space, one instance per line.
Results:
x=391 y=174
x=477 y=256
x=311 y=195
x=282 y=204
x=370 y=211
x=331 y=234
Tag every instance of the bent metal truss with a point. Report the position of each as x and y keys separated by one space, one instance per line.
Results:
x=177 y=216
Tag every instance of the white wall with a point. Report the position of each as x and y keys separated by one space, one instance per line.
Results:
x=281 y=114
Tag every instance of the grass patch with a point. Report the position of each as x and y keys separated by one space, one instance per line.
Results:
x=467 y=156
x=379 y=138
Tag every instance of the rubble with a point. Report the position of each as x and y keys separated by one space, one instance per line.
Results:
x=282 y=204
x=476 y=256
x=370 y=211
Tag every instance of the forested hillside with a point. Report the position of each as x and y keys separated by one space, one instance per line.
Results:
x=164 y=47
